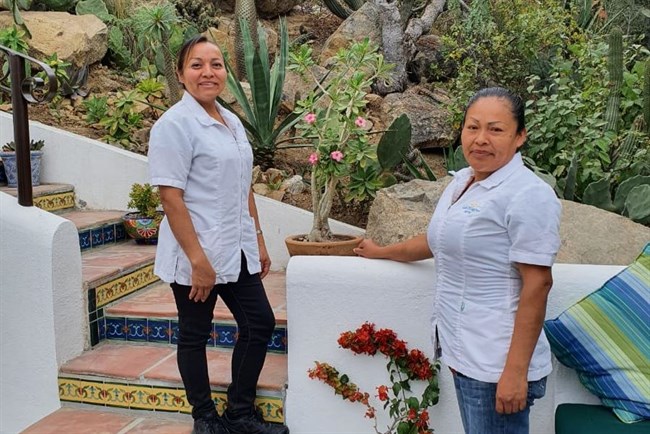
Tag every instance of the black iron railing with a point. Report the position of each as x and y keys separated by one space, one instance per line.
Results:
x=25 y=89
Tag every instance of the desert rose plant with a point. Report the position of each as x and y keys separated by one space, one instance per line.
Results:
x=334 y=123
x=408 y=414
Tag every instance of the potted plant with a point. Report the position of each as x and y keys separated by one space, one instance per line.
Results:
x=344 y=161
x=143 y=224
x=8 y=156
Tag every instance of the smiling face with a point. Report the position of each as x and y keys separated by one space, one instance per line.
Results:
x=203 y=73
x=489 y=136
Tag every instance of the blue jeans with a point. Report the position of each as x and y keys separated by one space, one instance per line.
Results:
x=477 y=402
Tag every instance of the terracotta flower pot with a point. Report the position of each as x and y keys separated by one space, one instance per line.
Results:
x=341 y=246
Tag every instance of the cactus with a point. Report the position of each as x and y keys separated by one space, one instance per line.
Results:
x=571 y=179
x=626 y=151
x=394 y=143
x=646 y=96
x=343 y=9
x=244 y=11
x=626 y=187
x=615 y=68
x=637 y=204
x=598 y=194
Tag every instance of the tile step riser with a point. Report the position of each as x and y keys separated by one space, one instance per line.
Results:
x=165 y=331
x=102 y=235
x=102 y=295
x=55 y=202
x=132 y=395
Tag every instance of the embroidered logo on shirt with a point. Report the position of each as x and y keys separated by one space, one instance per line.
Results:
x=472 y=208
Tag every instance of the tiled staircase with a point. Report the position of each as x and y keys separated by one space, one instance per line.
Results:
x=131 y=363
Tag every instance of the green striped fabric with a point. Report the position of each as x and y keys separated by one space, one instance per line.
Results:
x=605 y=337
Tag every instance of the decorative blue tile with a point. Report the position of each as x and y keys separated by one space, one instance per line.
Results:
x=159 y=331
x=136 y=329
x=96 y=237
x=174 y=330
x=84 y=240
x=101 y=324
x=278 y=342
x=94 y=333
x=225 y=335
x=120 y=232
x=109 y=234
x=116 y=328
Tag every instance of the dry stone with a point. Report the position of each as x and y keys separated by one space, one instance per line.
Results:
x=363 y=23
x=266 y=8
x=80 y=39
x=588 y=235
x=428 y=113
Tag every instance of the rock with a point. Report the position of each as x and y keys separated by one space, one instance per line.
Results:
x=273 y=175
x=79 y=39
x=363 y=23
x=588 y=235
x=261 y=189
x=403 y=210
x=257 y=175
x=293 y=185
x=429 y=63
x=430 y=119
x=297 y=87
x=222 y=38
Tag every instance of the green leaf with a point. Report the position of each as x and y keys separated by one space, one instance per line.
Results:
x=394 y=142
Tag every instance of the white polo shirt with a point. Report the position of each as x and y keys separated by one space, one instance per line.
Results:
x=512 y=216
x=212 y=163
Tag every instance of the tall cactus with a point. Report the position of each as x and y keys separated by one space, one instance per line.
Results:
x=615 y=68
x=343 y=9
x=646 y=96
x=244 y=10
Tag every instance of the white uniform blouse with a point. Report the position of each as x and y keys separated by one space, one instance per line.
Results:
x=512 y=216
x=212 y=164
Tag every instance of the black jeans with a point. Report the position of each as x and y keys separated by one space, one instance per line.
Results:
x=248 y=303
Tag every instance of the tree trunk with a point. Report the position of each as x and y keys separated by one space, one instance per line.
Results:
x=392 y=37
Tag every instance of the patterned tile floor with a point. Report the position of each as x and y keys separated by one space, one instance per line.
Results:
x=158 y=302
x=71 y=420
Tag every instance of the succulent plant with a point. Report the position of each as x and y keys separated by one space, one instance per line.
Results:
x=34 y=145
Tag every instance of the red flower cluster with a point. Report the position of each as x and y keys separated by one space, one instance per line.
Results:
x=409 y=414
x=367 y=340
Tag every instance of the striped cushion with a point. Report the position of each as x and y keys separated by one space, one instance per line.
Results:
x=605 y=337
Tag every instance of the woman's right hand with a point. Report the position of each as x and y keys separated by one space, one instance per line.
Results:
x=203 y=280
x=368 y=249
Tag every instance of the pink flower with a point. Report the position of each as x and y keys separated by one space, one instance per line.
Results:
x=310 y=118
x=360 y=122
x=337 y=155
x=313 y=159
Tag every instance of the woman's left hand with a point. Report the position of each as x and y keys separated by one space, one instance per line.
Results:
x=265 y=260
x=512 y=393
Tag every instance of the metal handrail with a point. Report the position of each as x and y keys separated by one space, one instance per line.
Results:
x=22 y=89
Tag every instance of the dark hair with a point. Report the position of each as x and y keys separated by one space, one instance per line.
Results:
x=186 y=48
x=516 y=104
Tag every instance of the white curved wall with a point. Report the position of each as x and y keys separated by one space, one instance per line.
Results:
x=40 y=280
x=329 y=295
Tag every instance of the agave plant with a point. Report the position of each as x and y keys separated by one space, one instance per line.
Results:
x=266 y=83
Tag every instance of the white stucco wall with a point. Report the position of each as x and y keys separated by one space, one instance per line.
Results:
x=40 y=280
x=329 y=295
x=101 y=173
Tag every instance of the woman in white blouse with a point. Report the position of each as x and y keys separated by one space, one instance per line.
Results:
x=494 y=234
x=210 y=243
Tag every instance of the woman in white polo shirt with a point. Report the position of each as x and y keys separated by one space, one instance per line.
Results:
x=210 y=242
x=494 y=234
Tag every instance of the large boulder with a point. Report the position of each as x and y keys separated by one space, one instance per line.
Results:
x=363 y=23
x=79 y=39
x=428 y=113
x=589 y=235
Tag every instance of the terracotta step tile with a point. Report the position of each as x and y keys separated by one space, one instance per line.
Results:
x=273 y=377
x=90 y=218
x=77 y=421
x=87 y=421
x=99 y=265
x=118 y=361
x=158 y=302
